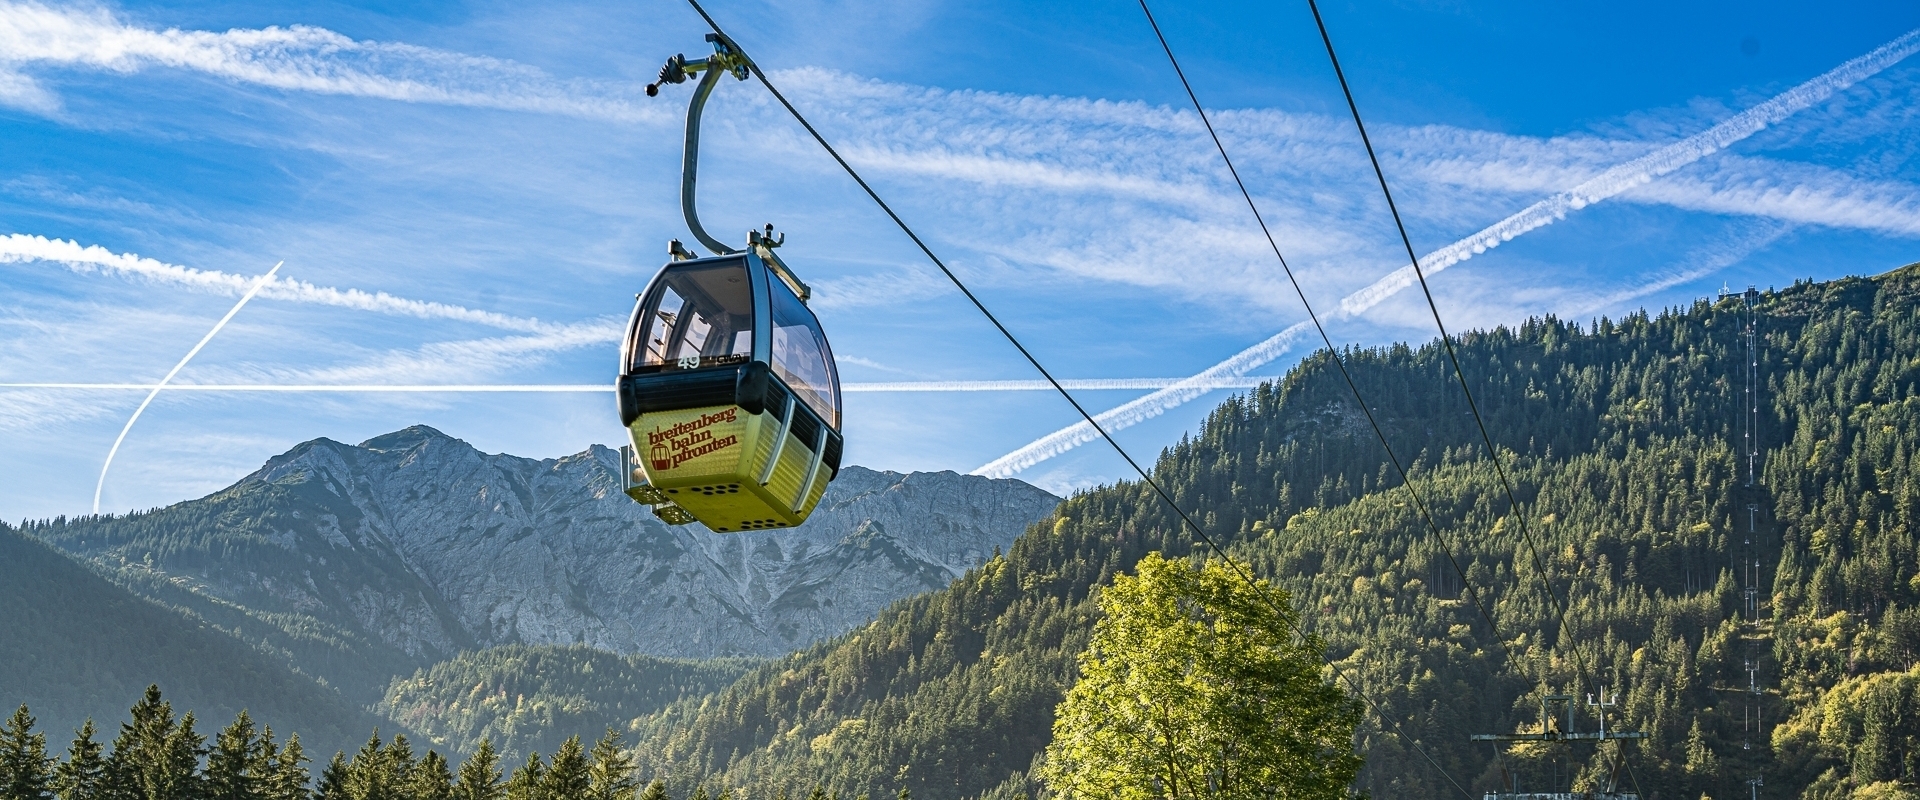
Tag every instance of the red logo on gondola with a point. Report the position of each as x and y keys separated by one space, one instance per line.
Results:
x=688 y=440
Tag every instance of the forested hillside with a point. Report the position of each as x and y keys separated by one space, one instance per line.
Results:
x=1621 y=439
x=80 y=647
x=527 y=699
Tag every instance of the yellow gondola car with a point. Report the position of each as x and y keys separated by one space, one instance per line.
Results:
x=729 y=394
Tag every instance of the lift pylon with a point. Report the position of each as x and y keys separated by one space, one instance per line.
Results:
x=1557 y=725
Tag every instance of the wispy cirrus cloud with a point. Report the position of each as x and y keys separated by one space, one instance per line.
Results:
x=294 y=58
x=1089 y=210
x=1607 y=184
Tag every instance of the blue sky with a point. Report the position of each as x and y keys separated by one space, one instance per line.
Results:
x=472 y=193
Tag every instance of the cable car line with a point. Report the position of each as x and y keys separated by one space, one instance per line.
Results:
x=1165 y=498
x=1406 y=482
x=1493 y=453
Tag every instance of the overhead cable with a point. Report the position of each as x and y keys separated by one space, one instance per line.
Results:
x=1493 y=452
x=1406 y=481
x=1166 y=498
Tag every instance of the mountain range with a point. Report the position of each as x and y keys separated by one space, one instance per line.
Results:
x=359 y=564
x=1590 y=523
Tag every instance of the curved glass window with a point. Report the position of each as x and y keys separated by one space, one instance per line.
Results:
x=801 y=356
x=695 y=316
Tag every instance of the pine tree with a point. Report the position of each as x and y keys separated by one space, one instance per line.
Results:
x=83 y=776
x=155 y=757
x=527 y=781
x=367 y=773
x=232 y=763
x=333 y=780
x=657 y=791
x=612 y=775
x=480 y=775
x=1701 y=763
x=265 y=763
x=288 y=779
x=431 y=779
x=699 y=793
x=398 y=766
x=26 y=773
x=568 y=777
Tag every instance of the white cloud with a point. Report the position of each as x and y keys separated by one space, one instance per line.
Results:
x=20 y=91
x=300 y=58
x=1021 y=190
x=1606 y=184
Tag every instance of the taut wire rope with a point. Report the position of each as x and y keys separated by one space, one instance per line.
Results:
x=1446 y=340
x=1145 y=477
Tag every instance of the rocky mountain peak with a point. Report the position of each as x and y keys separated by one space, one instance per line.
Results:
x=408 y=438
x=418 y=540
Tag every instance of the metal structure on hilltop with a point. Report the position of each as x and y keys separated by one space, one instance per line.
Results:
x=1748 y=559
x=1553 y=708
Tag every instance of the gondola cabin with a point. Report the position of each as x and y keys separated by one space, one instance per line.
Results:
x=729 y=394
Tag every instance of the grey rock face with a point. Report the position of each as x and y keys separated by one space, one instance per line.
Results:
x=430 y=546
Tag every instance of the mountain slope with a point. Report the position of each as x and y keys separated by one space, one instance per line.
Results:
x=530 y=699
x=1620 y=440
x=75 y=646
x=365 y=562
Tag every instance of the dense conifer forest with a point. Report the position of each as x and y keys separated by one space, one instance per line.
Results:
x=1622 y=440
x=160 y=756
x=78 y=646
x=526 y=699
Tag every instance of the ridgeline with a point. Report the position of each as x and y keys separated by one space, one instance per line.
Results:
x=1621 y=439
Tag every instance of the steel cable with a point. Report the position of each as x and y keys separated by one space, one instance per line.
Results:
x=1161 y=492
x=1493 y=452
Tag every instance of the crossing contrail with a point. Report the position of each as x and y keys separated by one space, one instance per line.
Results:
x=21 y=248
x=1605 y=185
x=251 y=291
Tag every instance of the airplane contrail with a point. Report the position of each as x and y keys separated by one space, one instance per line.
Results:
x=19 y=248
x=255 y=289
x=1605 y=185
x=1090 y=384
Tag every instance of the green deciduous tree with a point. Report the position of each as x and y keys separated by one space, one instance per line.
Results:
x=1192 y=686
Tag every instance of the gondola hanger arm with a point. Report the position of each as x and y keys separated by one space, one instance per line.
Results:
x=726 y=59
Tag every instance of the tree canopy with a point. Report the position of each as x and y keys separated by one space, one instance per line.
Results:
x=1195 y=686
